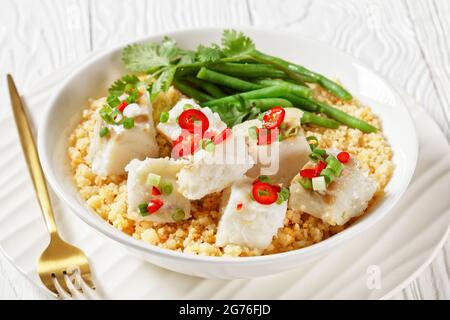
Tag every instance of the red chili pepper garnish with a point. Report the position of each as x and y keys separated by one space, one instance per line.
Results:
x=308 y=173
x=274 y=117
x=154 y=205
x=186 y=144
x=319 y=167
x=266 y=136
x=264 y=193
x=343 y=156
x=155 y=191
x=192 y=119
x=221 y=137
x=122 y=106
x=239 y=206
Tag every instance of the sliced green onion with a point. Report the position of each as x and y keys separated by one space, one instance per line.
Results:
x=292 y=131
x=253 y=132
x=317 y=154
x=305 y=183
x=208 y=145
x=128 y=123
x=283 y=195
x=166 y=188
x=108 y=114
x=164 y=117
x=261 y=116
x=313 y=142
x=153 y=180
x=319 y=184
x=328 y=174
x=143 y=209
x=103 y=132
x=334 y=164
x=188 y=106
x=264 y=179
x=178 y=215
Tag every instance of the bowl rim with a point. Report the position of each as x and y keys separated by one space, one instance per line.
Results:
x=111 y=232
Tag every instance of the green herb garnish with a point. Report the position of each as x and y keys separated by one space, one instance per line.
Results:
x=143 y=209
x=103 y=132
x=166 y=188
x=178 y=215
x=283 y=195
x=164 y=117
x=128 y=123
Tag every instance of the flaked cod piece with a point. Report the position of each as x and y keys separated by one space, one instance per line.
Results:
x=346 y=197
x=110 y=154
x=280 y=160
x=212 y=171
x=142 y=175
x=171 y=129
x=246 y=222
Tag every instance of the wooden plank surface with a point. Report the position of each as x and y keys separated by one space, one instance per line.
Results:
x=407 y=41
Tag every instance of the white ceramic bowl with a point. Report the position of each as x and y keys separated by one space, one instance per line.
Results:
x=92 y=79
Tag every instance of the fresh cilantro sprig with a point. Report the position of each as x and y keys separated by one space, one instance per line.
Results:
x=235 y=113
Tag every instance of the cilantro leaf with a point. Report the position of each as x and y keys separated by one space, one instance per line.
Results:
x=163 y=82
x=208 y=54
x=143 y=57
x=237 y=112
x=119 y=86
x=236 y=43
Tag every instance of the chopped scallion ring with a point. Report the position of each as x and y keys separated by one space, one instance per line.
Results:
x=103 y=132
x=143 y=209
x=319 y=183
x=128 y=123
x=164 y=117
x=166 y=188
x=153 y=180
x=178 y=215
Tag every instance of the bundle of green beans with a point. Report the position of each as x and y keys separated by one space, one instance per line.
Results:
x=240 y=91
x=238 y=80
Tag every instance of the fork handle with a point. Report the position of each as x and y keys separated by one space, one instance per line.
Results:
x=31 y=156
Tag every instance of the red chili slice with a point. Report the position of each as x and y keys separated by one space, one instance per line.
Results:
x=155 y=191
x=264 y=193
x=192 y=119
x=239 y=206
x=274 y=117
x=154 y=205
x=308 y=173
x=266 y=136
x=319 y=167
x=122 y=106
x=219 y=138
x=343 y=156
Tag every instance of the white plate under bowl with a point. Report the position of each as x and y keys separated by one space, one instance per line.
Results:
x=92 y=78
x=394 y=250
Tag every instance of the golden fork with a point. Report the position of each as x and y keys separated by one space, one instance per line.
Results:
x=60 y=259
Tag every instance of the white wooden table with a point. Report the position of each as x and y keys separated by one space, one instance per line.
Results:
x=407 y=41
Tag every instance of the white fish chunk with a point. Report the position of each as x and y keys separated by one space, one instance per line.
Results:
x=280 y=160
x=213 y=171
x=171 y=130
x=346 y=197
x=139 y=192
x=254 y=224
x=110 y=154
